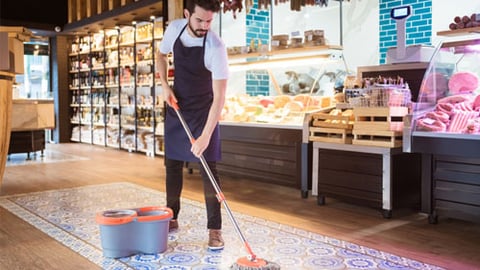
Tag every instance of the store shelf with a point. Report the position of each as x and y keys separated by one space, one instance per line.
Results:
x=111 y=82
x=459 y=32
x=291 y=54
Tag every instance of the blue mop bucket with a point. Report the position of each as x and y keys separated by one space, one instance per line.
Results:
x=134 y=231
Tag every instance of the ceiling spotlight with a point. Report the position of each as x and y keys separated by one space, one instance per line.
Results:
x=58 y=29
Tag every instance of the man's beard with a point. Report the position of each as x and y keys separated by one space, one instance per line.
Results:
x=197 y=33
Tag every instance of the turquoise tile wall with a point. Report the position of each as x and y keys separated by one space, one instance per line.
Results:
x=258 y=28
x=418 y=25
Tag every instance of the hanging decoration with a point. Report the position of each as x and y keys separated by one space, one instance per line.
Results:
x=233 y=5
x=295 y=5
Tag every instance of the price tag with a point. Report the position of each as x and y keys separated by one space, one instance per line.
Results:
x=295 y=33
x=429 y=121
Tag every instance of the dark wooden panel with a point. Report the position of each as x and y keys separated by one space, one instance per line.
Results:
x=284 y=167
x=263 y=176
x=456 y=171
x=456 y=192
x=361 y=197
x=358 y=178
x=454 y=176
x=354 y=181
x=360 y=163
x=457 y=210
x=266 y=154
x=266 y=135
x=26 y=141
x=406 y=180
x=446 y=146
x=261 y=150
x=456 y=186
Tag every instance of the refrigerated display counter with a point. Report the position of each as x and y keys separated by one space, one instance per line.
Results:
x=445 y=128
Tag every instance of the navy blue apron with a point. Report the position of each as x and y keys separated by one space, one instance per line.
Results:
x=193 y=88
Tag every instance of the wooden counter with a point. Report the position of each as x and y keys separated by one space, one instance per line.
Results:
x=267 y=153
x=32 y=114
x=30 y=118
x=379 y=177
x=270 y=153
x=5 y=112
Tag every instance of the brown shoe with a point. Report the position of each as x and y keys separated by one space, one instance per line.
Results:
x=172 y=225
x=215 y=240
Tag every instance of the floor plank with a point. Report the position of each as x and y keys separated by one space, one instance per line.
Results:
x=452 y=244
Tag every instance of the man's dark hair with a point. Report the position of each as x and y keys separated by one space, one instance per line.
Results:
x=210 y=5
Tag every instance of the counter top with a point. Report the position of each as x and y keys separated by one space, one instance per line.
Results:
x=261 y=125
x=32 y=101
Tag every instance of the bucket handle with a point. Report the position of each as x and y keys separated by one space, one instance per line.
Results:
x=168 y=213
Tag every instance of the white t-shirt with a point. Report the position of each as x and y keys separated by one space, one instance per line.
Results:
x=216 y=59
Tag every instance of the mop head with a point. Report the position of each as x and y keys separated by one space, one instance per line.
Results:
x=258 y=264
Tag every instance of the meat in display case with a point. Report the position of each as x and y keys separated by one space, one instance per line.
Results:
x=445 y=129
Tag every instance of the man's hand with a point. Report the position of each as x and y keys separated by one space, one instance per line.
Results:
x=199 y=145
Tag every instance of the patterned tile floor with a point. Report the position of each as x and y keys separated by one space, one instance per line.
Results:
x=68 y=215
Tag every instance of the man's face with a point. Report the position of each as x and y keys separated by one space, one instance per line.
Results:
x=199 y=21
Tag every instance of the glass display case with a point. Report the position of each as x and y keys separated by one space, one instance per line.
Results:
x=448 y=105
x=445 y=129
x=295 y=82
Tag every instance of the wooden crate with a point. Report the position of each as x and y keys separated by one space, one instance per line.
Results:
x=382 y=138
x=379 y=118
x=333 y=135
x=326 y=120
x=331 y=121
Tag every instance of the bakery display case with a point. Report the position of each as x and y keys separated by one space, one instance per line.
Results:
x=445 y=128
x=262 y=135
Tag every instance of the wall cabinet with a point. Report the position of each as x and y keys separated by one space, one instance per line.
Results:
x=116 y=98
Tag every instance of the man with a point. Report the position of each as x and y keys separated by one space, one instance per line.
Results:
x=201 y=73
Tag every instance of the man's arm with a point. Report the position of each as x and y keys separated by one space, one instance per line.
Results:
x=214 y=114
x=162 y=67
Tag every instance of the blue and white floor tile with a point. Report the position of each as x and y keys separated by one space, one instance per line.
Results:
x=68 y=216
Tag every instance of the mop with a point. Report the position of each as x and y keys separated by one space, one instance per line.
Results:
x=251 y=261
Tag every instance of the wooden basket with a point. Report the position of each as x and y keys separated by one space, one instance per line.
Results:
x=379 y=118
x=379 y=126
x=333 y=135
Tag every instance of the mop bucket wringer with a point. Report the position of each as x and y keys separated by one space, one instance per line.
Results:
x=127 y=232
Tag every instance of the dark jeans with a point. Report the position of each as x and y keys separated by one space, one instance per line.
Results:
x=174 y=185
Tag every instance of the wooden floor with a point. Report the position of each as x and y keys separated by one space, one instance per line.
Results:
x=452 y=244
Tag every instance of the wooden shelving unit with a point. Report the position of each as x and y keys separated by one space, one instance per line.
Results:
x=459 y=32
x=284 y=54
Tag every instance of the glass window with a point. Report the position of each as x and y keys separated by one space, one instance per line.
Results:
x=35 y=82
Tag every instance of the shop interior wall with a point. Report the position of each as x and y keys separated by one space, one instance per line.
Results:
x=445 y=11
x=359 y=27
